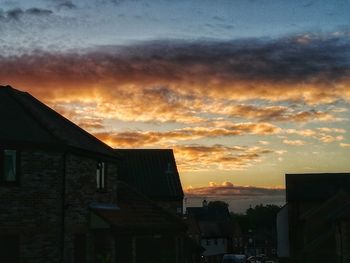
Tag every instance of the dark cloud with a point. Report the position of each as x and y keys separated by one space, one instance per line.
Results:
x=66 y=5
x=17 y=13
x=313 y=68
x=280 y=60
x=14 y=13
x=38 y=11
x=218 y=18
x=309 y=4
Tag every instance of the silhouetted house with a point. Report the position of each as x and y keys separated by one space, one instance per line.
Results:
x=51 y=171
x=214 y=230
x=145 y=232
x=153 y=172
x=314 y=226
x=59 y=200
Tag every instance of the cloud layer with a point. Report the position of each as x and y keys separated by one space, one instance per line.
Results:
x=146 y=138
x=211 y=90
x=314 y=69
x=229 y=189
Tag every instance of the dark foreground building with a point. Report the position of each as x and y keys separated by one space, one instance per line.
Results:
x=59 y=195
x=154 y=173
x=144 y=232
x=314 y=225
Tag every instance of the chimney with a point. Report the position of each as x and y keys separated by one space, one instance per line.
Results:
x=205 y=203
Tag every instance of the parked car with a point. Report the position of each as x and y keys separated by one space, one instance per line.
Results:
x=251 y=259
x=257 y=259
x=234 y=258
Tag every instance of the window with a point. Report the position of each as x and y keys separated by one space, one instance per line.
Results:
x=9 y=166
x=101 y=176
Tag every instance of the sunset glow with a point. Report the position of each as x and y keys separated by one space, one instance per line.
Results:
x=241 y=96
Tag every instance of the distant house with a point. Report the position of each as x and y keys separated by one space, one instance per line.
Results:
x=153 y=172
x=60 y=200
x=214 y=230
x=314 y=225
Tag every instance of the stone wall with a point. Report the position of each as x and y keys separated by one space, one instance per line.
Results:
x=32 y=210
x=81 y=190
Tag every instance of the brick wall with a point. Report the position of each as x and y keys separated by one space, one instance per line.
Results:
x=80 y=192
x=32 y=210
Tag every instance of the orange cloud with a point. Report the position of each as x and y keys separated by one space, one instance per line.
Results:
x=229 y=189
x=323 y=134
x=144 y=138
x=218 y=157
x=273 y=113
x=329 y=138
x=294 y=142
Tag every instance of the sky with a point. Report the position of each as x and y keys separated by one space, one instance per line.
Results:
x=244 y=91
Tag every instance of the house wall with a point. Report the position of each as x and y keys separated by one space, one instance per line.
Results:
x=296 y=227
x=282 y=233
x=32 y=210
x=80 y=192
x=214 y=248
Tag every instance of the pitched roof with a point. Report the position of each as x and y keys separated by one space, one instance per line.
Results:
x=153 y=172
x=315 y=187
x=138 y=213
x=24 y=119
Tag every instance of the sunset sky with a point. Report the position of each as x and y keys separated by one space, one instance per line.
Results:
x=244 y=91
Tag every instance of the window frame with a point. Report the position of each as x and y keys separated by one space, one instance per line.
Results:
x=101 y=176
x=3 y=182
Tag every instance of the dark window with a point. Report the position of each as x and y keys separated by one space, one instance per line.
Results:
x=9 y=166
x=101 y=176
x=9 y=248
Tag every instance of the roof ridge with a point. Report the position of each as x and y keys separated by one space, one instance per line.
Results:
x=10 y=90
x=69 y=121
x=6 y=87
x=59 y=129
